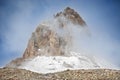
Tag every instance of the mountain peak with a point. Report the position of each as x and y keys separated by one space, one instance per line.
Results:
x=72 y=15
x=52 y=38
x=48 y=40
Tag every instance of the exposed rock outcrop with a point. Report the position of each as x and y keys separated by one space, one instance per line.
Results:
x=45 y=41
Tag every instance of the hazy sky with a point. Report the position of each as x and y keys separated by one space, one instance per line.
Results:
x=19 y=18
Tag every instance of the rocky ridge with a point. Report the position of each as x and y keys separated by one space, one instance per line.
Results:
x=91 y=74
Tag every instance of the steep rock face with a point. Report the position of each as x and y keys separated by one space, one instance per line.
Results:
x=45 y=41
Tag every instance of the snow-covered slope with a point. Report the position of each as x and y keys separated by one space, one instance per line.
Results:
x=50 y=64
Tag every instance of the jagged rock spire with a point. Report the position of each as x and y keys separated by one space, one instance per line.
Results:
x=45 y=41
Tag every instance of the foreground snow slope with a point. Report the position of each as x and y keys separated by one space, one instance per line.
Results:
x=45 y=64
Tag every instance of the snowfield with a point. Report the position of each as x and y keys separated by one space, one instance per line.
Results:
x=51 y=64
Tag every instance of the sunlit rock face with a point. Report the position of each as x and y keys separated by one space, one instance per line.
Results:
x=52 y=38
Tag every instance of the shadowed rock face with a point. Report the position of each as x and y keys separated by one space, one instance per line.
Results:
x=48 y=41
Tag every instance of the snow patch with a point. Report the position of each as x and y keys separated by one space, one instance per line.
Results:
x=51 y=64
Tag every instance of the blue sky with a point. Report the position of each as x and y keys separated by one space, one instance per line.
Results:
x=19 y=18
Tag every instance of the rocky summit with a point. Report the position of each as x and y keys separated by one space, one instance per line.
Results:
x=52 y=38
x=47 y=41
